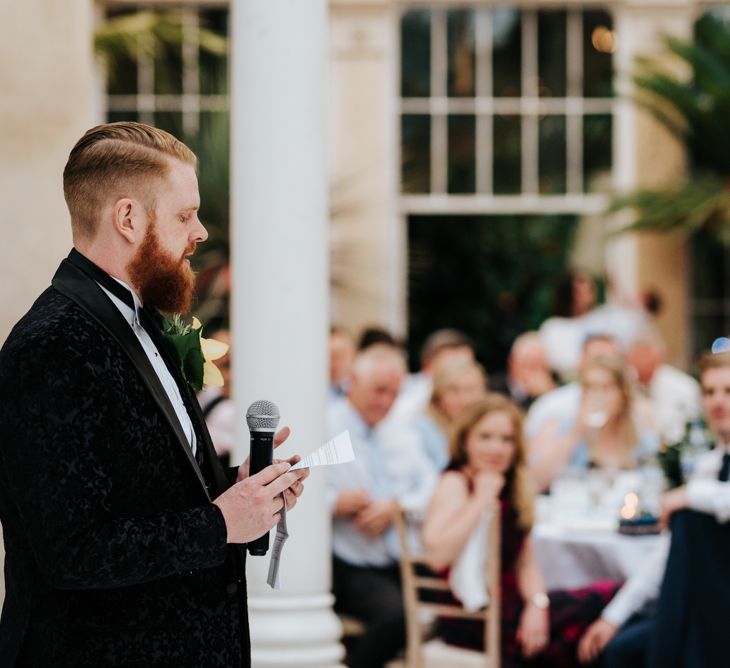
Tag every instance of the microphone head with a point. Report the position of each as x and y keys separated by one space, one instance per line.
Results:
x=262 y=414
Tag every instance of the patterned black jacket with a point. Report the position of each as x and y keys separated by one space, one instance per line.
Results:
x=115 y=555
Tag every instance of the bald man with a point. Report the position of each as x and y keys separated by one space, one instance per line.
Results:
x=389 y=469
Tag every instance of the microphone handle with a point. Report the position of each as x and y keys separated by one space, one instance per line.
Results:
x=260 y=456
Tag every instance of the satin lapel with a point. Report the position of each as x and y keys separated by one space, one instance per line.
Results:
x=78 y=287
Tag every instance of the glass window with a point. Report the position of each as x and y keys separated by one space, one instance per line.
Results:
x=462 y=158
x=507 y=52
x=181 y=73
x=416 y=54
x=461 y=54
x=416 y=153
x=553 y=164
x=552 y=53
x=507 y=155
x=520 y=101
x=599 y=43
x=597 y=152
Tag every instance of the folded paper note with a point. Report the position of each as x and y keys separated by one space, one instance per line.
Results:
x=336 y=451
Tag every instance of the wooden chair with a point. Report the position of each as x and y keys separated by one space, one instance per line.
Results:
x=434 y=653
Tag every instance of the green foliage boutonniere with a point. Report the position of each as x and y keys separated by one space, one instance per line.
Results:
x=194 y=353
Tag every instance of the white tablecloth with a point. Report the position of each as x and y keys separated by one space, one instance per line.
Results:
x=575 y=556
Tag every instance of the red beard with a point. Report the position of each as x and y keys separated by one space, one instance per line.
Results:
x=163 y=281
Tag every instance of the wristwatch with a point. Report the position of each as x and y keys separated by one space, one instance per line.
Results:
x=540 y=600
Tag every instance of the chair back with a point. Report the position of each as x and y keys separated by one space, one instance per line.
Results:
x=414 y=581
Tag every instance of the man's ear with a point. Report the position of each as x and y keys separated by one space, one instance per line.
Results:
x=128 y=219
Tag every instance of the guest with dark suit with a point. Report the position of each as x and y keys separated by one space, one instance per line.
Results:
x=123 y=534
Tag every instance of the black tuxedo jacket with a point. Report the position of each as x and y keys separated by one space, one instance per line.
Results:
x=691 y=619
x=115 y=555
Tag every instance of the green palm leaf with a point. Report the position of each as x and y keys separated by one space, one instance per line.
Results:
x=696 y=109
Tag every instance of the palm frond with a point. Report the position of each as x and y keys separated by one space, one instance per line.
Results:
x=130 y=36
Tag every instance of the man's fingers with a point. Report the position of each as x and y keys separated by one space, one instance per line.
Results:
x=283 y=482
x=291 y=499
x=271 y=472
x=281 y=436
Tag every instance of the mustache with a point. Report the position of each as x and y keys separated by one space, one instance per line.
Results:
x=190 y=250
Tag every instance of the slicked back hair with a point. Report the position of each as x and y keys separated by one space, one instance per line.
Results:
x=116 y=160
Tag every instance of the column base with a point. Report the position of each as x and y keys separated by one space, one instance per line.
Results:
x=300 y=631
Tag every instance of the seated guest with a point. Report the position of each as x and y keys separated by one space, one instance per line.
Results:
x=488 y=469
x=342 y=352
x=562 y=403
x=440 y=345
x=457 y=383
x=389 y=469
x=528 y=374
x=674 y=394
x=373 y=335
x=612 y=429
x=623 y=632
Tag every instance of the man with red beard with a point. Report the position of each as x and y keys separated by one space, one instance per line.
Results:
x=123 y=534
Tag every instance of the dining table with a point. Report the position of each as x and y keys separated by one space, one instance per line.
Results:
x=577 y=535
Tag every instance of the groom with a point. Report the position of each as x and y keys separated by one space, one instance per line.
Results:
x=122 y=532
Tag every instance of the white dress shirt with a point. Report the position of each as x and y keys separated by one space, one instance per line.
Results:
x=676 y=399
x=389 y=464
x=705 y=494
x=158 y=364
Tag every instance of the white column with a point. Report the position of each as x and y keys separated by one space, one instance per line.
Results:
x=280 y=298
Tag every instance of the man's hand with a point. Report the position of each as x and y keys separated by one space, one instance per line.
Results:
x=252 y=506
x=279 y=438
x=350 y=502
x=374 y=519
x=672 y=501
x=595 y=639
x=291 y=494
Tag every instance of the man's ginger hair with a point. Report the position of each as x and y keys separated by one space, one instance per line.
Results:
x=116 y=160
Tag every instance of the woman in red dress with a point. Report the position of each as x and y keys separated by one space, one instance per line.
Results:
x=488 y=466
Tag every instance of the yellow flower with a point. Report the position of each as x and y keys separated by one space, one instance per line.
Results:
x=212 y=350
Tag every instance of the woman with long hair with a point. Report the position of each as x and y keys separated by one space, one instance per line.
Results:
x=488 y=469
x=612 y=430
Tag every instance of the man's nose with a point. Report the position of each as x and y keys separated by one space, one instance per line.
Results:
x=201 y=234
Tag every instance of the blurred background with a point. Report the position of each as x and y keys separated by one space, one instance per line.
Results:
x=474 y=152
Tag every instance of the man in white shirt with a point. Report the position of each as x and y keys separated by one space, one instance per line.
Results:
x=625 y=644
x=389 y=470
x=675 y=395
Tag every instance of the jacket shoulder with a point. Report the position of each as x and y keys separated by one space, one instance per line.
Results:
x=53 y=326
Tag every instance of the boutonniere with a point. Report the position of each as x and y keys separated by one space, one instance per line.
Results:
x=195 y=354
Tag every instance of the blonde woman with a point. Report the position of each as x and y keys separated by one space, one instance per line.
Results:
x=457 y=383
x=612 y=430
x=487 y=467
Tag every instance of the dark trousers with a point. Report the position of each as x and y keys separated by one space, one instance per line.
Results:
x=691 y=620
x=372 y=595
x=630 y=646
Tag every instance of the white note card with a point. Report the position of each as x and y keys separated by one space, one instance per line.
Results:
x=335 y=451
